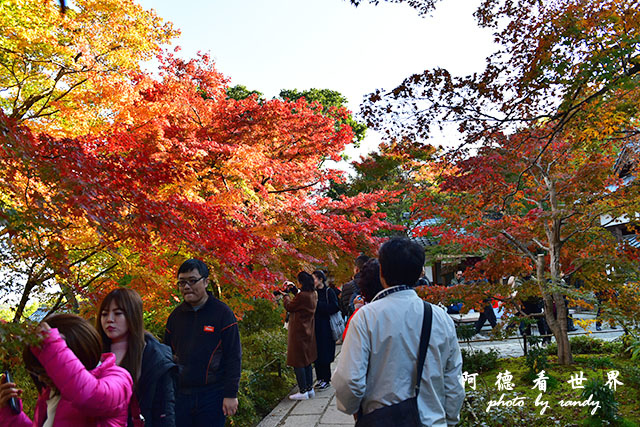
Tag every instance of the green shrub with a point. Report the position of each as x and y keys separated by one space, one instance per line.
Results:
x=608 y=410
x=478 y=361
x=584 y=344
x=266 y=314
x=595 y=422
x=259 y=393
x=633 y=349
x=595 y=362
x=612 y=347
x=265 y=378
x=536 y=359
x=474 y=411
x=267 y=347
x=465 y=332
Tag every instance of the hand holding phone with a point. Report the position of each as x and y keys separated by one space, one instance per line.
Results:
x=9 y=393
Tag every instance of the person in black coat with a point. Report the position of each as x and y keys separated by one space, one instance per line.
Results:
x=349 y=289
x=327 y=305
x=154 y=373
x=156 y=386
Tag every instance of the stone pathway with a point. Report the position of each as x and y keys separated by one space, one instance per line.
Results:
x=322 y=410
x=319 y=411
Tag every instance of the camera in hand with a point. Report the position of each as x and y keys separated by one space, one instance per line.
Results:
x=423 y=281
x=287 y=288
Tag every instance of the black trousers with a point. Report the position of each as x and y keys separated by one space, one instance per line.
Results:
x=323 y=371
x=304 y=377
x=487 y=314
x=534 y=307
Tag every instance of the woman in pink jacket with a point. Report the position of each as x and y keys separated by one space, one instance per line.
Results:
x=77 y=386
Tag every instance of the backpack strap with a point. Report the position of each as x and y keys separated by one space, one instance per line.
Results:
x=425 y=337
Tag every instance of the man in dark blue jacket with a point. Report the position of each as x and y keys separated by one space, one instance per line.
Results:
x=203 y=334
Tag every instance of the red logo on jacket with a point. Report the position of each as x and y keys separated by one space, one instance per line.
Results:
x=208 y=328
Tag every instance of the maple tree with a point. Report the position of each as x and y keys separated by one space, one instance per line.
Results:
x=555 y=103
x=111 y=177
x=63 y=74
x=329 y=101
x=185 y=171
x=565 y=63
x=544 y=222
x=66 y=73
x=400 y=171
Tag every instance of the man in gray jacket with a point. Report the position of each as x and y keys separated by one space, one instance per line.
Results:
x=377 y=365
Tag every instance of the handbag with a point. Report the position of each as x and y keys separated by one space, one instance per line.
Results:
x=336 y=321
x=405 y=413
x=337 y=325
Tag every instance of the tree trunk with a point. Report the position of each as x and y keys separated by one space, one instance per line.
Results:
x=23 y=300
x=562 y=337
x=555 y=308
x=70 y=296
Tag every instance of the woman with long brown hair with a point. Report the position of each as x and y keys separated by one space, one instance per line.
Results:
x=149 y=362
x=301 y=342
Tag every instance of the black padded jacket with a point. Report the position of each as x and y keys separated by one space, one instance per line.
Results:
x=156 y=386
x=206 y=346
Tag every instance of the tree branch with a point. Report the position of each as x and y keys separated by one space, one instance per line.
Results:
x=285 y=190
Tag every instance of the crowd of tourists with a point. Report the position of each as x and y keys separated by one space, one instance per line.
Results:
x=400 y=363
x=531 y=306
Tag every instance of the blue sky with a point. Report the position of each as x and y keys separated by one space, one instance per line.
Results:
x=286 y=44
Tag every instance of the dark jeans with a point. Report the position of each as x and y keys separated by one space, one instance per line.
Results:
x=535 y=307
x=487 y=314
x=602 y=298
x=200 y=408
x=304 y=376
x=323 y=371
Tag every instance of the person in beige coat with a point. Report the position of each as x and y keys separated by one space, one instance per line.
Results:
x=301 y=345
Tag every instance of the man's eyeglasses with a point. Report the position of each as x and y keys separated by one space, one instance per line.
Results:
x=190 y=282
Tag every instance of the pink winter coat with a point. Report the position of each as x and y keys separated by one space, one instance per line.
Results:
x=97 y=398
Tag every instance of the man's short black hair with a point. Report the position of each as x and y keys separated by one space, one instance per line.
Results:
x=360 y=261
x=194 y=264
x=401 y=261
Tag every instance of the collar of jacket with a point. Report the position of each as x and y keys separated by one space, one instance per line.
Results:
x=392 y=290
x=185 y=306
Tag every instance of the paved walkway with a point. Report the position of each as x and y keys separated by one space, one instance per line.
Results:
x=319 y=411
x=322 y=410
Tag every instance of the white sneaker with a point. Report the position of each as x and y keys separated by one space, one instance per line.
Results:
x=311 y=394
x=479 y=337
x=299 y=396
